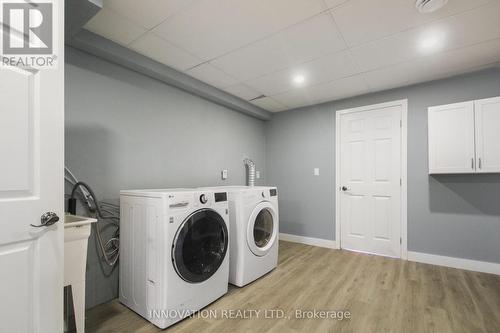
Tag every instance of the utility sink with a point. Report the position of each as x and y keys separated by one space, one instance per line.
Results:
x=76 y=234
x=77 y=221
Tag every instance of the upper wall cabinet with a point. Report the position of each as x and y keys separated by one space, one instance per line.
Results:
x=451 y=138
x=465 y=137
x=487 y=116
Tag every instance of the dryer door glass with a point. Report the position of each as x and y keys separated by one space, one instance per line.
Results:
x=200 y=246
x=263 y=228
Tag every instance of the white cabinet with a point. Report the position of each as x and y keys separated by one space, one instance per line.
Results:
x=465 y=137
x=451 y=138
x=487 y=112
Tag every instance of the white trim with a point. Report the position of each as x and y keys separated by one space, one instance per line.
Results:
x=331 y=244
x=337 y=178
x=404 y=174
x=460 y=263
x=404 y=179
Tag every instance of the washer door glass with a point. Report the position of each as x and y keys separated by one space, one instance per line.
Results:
x=200 y=246
x=263 y=228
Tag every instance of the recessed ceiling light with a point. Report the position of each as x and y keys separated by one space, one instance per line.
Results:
x=429 y=6
x=299 y=79
x=431 y=42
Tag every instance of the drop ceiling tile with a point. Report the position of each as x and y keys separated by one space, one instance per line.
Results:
x=299 y=43
x=456 y=61
x=434 y=67
x=211 y=28
x=472 y=27
x=146 y=13
x=269 y=104
x=112 y=26
x=211 y=75
x=468 y=28
x=384 y=52
x=324 y=69
x=162 y=51
x=366 y=20
x=343 y=88
x=265 y=56
x=390 y=77
x=242 y=91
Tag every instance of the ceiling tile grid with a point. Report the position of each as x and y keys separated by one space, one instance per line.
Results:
x=162 y=51
x=339 y=48
x=211 y=28
x=269 y=103
x=243 y=91
x=324 y=69
x=361 y=21
x=434 y=67
x=305 y=41
x=343 y=88
x=146 y=13
x=114 y=27
x=211 y=75
x=468 y=28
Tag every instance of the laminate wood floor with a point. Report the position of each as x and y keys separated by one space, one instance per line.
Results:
x=381 y=294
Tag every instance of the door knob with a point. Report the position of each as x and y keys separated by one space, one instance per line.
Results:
x=47 y=219
x=345 y=188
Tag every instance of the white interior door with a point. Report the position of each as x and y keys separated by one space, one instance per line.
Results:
x=31 y=184
x=451 y=138
x=487 y=116
x=370 y=180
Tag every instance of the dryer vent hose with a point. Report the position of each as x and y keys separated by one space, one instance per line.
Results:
x=250 y=165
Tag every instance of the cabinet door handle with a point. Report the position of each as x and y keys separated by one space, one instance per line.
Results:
x=480 y=164
x=472 y=163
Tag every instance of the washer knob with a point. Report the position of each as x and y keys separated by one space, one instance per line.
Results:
x=203 y=199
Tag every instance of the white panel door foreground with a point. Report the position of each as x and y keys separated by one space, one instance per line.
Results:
x=370 y=176
x=31 y=184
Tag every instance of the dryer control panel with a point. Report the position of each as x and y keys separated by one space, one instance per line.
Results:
x=220 y=196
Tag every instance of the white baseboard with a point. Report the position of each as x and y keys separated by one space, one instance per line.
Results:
x=331 y=244
x=467 y=264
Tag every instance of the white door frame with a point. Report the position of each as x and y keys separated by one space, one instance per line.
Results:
x=404 y=155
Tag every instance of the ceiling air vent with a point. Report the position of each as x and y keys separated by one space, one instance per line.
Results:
x=429 y=6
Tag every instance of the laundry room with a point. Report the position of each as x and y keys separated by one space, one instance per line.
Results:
x=250 y=166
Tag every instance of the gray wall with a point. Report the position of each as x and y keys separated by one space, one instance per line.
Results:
x=125 y=130
x=457 y=216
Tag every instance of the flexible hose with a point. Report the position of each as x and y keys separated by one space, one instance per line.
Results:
x=111 y=256
x=251 y=171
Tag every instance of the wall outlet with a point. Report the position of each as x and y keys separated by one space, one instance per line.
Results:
x=257 y=174
x=316 y=171
x=224 y=174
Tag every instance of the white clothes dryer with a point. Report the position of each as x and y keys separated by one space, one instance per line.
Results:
x=254 y=229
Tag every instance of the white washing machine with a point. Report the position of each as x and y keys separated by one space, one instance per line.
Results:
x=254 y=228
x=174 y=256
